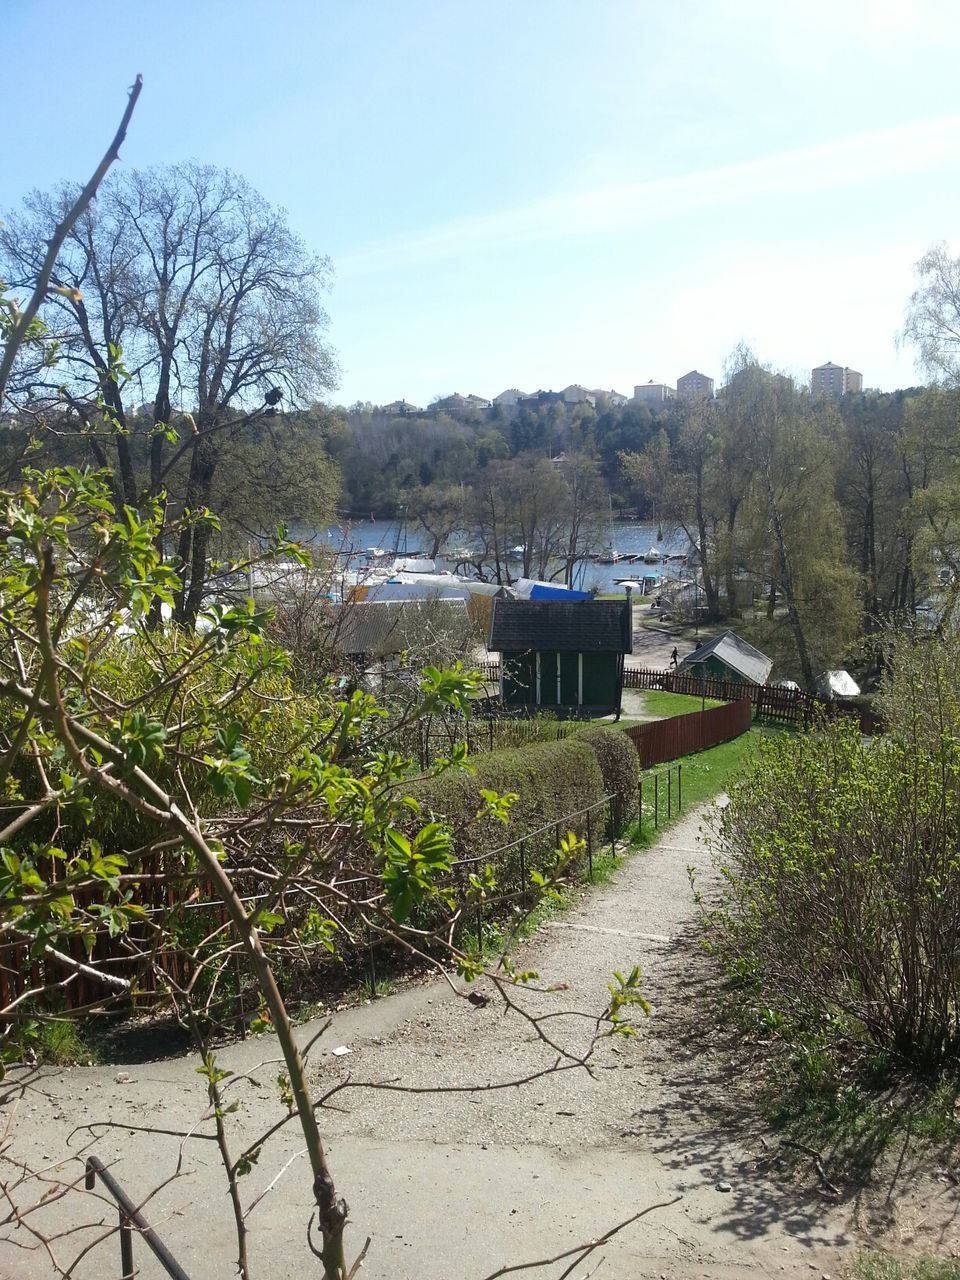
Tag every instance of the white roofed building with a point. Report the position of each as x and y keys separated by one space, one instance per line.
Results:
x=654 y=393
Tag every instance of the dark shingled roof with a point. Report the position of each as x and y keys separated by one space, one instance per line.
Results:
x=580 y=626
x=736 y=653
x=377 y=628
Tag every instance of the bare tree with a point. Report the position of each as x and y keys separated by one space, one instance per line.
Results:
x=932 y=322
x=184 y=291
x=122 y=767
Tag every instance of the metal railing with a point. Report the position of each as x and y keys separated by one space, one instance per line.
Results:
x=131 y=1220
x=602 y=822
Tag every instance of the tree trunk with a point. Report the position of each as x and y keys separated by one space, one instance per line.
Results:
x=194 y=541
x=796 y=626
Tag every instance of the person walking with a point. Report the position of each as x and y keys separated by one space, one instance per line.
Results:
x=673 y=657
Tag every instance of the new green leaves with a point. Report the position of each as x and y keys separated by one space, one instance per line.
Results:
x=412 y=868
x=231 y=774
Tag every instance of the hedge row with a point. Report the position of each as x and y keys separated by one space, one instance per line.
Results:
x=551 y=780
x=619 y=763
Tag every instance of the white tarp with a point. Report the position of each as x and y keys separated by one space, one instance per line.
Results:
x=414 y=564
x=837 y=684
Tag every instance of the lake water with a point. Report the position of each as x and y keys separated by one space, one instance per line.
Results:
x=353 y=541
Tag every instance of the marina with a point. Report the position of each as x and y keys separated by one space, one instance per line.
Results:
x=373 y=550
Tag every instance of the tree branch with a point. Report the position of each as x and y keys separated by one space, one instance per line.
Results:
x=60 y=234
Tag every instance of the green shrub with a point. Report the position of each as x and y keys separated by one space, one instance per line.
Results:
x=841 y=906
x=619 y=763
x=550 y=780
x=256 y=688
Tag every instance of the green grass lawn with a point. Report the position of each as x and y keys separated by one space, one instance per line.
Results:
x=656 y=702
x=703 y=776
x=879 y=1266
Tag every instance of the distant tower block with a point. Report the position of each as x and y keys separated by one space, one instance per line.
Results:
x=695 y=386
x=831 y=380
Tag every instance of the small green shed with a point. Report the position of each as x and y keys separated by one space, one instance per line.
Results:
x=728 y=657
x=564 y=657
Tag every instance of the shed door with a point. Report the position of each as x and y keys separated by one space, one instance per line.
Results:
x=519 y=679
x=548 y=679
x=570 y=679
x=600 y=679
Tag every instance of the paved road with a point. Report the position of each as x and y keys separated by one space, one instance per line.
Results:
x=458 y=1185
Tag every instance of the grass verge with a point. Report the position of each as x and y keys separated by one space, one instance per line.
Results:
x=62 y=1041
x=880 y=1266
x=704 y=776
x=859 y=1109
x=657 y=702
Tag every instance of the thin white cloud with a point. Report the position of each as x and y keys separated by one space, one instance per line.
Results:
x=866 y=157
x=692 y=318
x=777 y=305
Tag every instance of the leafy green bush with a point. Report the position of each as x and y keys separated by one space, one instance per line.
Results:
x=239 y=706
x=840 y=914
x=550 y=780
x=620 y=765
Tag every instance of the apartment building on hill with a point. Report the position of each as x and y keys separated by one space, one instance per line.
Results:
x=654 y=393
x=695 y=386
x=831 y=380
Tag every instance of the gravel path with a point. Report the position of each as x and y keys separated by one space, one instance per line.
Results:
x=459 y=1185
x=652 y=646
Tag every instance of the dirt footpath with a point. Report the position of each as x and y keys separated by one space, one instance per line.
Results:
x=457 y=1185
x=652 y=646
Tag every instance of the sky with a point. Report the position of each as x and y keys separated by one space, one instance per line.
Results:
x=530 y=193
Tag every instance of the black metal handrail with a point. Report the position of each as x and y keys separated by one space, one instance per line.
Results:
x=131 y=1219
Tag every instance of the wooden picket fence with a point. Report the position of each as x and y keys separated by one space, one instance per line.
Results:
x=770 y=702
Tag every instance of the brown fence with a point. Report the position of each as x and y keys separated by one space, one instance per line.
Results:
x=663 y=740
x=708 y=687
x=769 y=702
